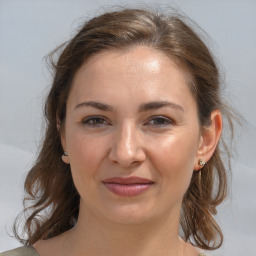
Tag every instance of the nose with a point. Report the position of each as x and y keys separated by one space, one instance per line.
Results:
x=127 y=149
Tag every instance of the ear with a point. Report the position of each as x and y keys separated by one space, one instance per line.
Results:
x=61 y=131
x=209 y=139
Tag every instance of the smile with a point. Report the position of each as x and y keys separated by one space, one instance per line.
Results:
x=131 y=186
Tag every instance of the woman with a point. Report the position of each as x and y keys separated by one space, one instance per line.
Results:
x=131 y=161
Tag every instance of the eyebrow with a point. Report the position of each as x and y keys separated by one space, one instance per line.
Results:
x=94 y=104
x=142 y=108
x=159 y=104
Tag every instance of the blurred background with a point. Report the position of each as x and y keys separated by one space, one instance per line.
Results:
x=30 y=29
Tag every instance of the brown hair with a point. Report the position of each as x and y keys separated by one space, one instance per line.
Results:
x=51 y=194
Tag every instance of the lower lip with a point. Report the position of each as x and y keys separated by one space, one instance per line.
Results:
x=127 y=190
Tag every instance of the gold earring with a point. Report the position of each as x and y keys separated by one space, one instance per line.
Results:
x=200 y=182
x=201 y=162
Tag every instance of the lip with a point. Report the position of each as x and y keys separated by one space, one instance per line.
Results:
x=127 y=180
x=127 y=186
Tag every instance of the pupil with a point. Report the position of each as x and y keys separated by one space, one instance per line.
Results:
x=97 y=120
x=159 y=121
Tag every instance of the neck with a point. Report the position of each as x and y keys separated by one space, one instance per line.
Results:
x=108 y=238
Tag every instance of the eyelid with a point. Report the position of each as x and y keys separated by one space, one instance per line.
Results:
x=164 y=118
x=88 y=118
x=159 y=117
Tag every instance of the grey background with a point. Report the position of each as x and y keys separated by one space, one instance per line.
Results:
x=29 y=29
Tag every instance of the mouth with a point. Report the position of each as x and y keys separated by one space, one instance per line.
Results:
x=127 y=187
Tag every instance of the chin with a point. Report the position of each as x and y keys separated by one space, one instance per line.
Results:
x=129 y=214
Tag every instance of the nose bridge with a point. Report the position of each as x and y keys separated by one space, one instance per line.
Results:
x=127 y=135
x=127 y=148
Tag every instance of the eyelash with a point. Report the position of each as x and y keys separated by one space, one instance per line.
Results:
x=87 y=120
x=163 y=119
x=95 y=118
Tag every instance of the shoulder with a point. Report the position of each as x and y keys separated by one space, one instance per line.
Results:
x=192 y=250
x=21 y=251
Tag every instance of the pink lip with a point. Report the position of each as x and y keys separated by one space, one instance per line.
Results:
x=130 y=186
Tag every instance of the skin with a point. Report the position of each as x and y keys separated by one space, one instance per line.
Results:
x=163 y=145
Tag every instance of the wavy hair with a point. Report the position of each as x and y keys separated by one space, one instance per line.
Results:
x=51 y=204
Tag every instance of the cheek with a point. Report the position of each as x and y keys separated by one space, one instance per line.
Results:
x=86 y=154
x=173 y=157
x=175 y=150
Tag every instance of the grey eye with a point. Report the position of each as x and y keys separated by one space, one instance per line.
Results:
x=94 y=121
x=160 y=121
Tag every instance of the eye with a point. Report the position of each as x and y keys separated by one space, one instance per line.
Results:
x=160 y=121
x=95 y=121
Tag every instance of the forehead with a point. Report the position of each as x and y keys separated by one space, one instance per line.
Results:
x=143 y=57
x=140 y=72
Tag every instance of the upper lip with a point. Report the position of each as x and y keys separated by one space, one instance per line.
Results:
x=127 y=180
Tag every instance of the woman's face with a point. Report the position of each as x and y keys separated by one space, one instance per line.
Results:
x=131 y=114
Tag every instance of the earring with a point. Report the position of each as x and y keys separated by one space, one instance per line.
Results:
x=65 y=158
x=200 y=182
x=201 y=162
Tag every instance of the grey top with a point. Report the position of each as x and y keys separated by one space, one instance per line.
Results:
x=30 y=251
x=21 y=251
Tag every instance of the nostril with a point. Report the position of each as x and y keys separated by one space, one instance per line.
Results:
x=126 y=149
